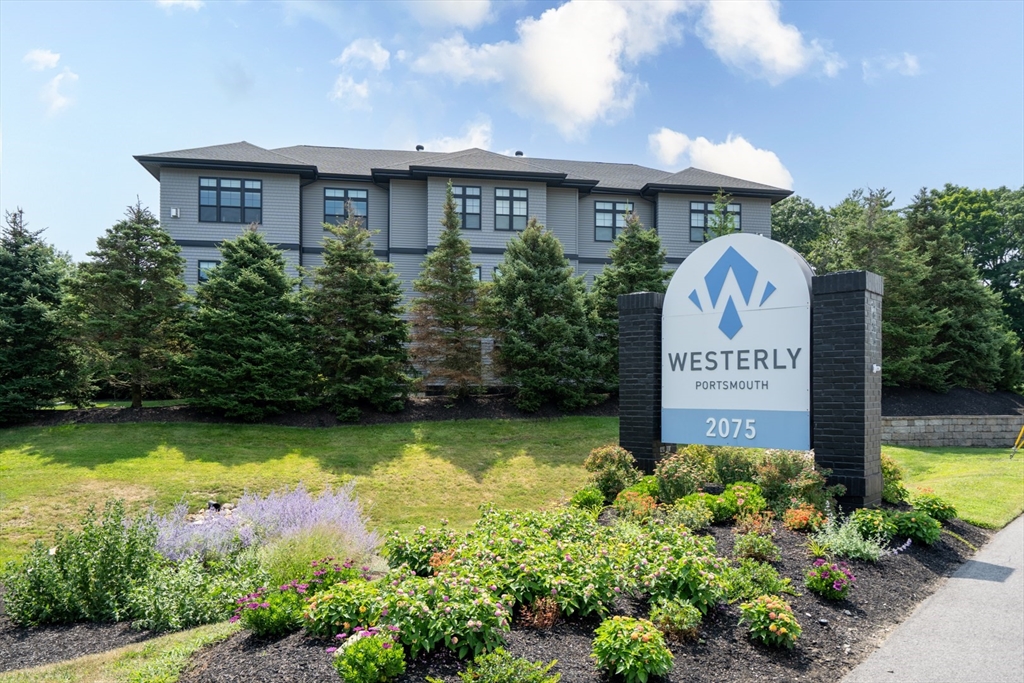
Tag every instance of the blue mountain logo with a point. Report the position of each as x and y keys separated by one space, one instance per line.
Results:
x=746 y=276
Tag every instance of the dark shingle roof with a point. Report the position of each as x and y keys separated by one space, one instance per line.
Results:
x=695 y=177
x=624 y=176
x=351 y=161
x=241 y=152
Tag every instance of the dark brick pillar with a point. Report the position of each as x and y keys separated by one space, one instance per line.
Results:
x=846 y=383
x=640 y=376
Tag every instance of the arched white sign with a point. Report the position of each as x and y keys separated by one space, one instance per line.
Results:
x=736 y=346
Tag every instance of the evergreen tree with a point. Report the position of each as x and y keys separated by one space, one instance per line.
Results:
x=250 y=356
x=446 y=328
x=798 y=222
x=359 y=335
x=638 y=261
x=38 y=362
x=536 y=308
x=131 y=294
x=970 y=333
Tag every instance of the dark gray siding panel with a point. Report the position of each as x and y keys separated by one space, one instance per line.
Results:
x=588 y=246
x=674 y=220
x=563 y=205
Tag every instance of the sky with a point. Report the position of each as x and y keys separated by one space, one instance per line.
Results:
x=819 y=97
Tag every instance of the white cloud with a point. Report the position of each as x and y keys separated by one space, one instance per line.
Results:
x=749 y=35
x=735 y=157
x=53 y=97
x=570 y=64
x=364 y=50
x=469 y=14
x=39 y=60
x=904 y=64
x=473 y=135
x=180 y=4
x=351 y=94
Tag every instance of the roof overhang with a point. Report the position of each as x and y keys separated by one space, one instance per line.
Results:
x=153 y=164
x=775 y=195
x=424 y=172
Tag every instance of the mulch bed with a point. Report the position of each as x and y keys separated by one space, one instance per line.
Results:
x=24 y=647
x=910 y=402
x=836 y=635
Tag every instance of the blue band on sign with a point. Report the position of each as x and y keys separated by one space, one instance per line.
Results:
x=790 y=430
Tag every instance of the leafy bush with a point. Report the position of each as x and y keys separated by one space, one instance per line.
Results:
x=631 y=648
x=370 y=656
x=933 y=505
x=874 y=524
x=893 y=490
x=648 y=486
x=830 y=580
x=634 y=504
x=87 y=575
x=771 y=621
x=683 y=472
x=670 y=563
x=613 y=468
x=919 y=526
x=677 y=619
x=804 y=517
x=756 y=523
x=691 y=512
x=308 y=557
x=343 y=608
x=501 y=667
x=749 y=499
x=587 y=498
x=271 y=613
x=788 y=478
x=756 y=547
x=844 y=539
x=734 y=464
x=417 y=550
x=751 y=578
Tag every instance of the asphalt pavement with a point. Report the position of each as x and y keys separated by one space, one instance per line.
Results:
x=969 y=631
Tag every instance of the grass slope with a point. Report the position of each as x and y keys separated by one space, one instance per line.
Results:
x=984 y=484
x=406 y=475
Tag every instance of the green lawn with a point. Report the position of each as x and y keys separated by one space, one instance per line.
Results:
x=406 y=475
x=984 y=484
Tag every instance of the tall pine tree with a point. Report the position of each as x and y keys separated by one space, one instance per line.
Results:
x=131 y=296
x=536 y=309
x=38 y=362
x=638 y=261
x=359 y=336
x=250 y=355
x=446 y=330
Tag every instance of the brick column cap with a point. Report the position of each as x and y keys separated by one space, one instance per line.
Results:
x=639 y=300
x=848 y=281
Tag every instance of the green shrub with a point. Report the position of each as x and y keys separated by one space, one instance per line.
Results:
x=749 y=500
x=830 y=580
x=631 y=648
x=418 y=549
x=343 y=608
x=87 y=575
x=370 y=656
x=501 y=667
x=633 y=504
x=918 y=526
x=293 y=557
x=683 y=472
x=788 y=478
x=734 y=464
x=677 y=619
x=587 y=498
x=647 y=486
x=751 y=578
x=843 y=539
x=804 y=517
x=771 y=621
x=874 y=524
x=272 y=613
x=893 y=490
x=934 y=506
x=756 y=547
x=691 y=512
x=613 y=468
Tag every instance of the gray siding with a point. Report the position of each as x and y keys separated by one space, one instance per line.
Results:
x=674 y=220
x=563 y=205
x=407 y=267
x=487 y=236
x=588 y=246
x=313 y=233
x=179 y=188
x=408 y=214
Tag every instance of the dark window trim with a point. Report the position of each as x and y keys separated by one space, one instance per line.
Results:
x=711 y=212
x=347 y=199
x=199 y=268
x=511 y=223
x=461 y=194
x=243 y=190
x=614 y=213
x=478 y=273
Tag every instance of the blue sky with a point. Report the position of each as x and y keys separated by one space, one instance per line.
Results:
x=818 y=96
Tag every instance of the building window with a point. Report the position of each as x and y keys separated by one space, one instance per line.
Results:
x=335 y=202
x=478 y=273
x=495 y=272
x=229 y=200
x=204 y=269
x=467 y=203
x=610 y=219
x=702 y=219
x=510 y=209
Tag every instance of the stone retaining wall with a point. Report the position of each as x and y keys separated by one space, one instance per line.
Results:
x=990 y=431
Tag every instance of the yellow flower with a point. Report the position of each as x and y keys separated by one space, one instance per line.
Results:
x=362 y=609
x=773 y=628
x=782 y=630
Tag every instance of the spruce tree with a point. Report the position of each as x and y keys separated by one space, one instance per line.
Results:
x=131 y=294
x=536 y=309
x=446 y=332
x=38 y=362
x=250 y=356
x=638 y=261
x=970 y=333
x=358 y=333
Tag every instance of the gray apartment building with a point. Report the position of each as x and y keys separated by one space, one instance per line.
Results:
x=211 y=194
